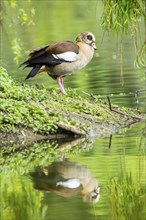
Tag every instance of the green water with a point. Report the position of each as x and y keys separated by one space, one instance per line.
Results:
x=118 y=168
x=117 y=163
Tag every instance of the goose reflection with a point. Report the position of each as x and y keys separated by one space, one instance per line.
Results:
x=67 y=179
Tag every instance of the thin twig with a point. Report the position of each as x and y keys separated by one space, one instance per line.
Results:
x=109 y=102
x=122 y=113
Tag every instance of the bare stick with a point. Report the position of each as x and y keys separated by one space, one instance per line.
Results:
x=122 y=113
x=109 y=102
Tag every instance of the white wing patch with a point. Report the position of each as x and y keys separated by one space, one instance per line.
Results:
x=72 y=183
x=67 y=56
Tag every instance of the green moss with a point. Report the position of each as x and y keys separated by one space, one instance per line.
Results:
x=41 y=110
x=20 y=105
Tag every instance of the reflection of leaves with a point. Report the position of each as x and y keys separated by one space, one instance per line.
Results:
x=22 y=16
x=39 y=153
x=140 y=61
x=15 y=14
x=16 y=48
x=12 y=3
x=25 y=18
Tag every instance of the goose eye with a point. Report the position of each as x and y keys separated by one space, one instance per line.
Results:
x=89 y=37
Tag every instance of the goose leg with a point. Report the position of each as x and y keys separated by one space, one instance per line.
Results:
x=60 y=83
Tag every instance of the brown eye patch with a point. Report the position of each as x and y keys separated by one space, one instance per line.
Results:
x=89 y=37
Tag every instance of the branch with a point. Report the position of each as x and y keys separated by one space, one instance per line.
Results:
x=122 y=113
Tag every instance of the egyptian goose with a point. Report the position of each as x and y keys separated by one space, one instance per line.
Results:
x=62 y=58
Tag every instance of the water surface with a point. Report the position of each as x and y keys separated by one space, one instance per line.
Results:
x=28 y=189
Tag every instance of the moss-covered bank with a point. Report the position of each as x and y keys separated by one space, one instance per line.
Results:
x=29 y=113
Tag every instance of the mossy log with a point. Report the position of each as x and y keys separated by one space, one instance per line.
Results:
x=30 y=113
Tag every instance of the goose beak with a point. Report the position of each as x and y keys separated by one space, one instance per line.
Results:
x=94 y=46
